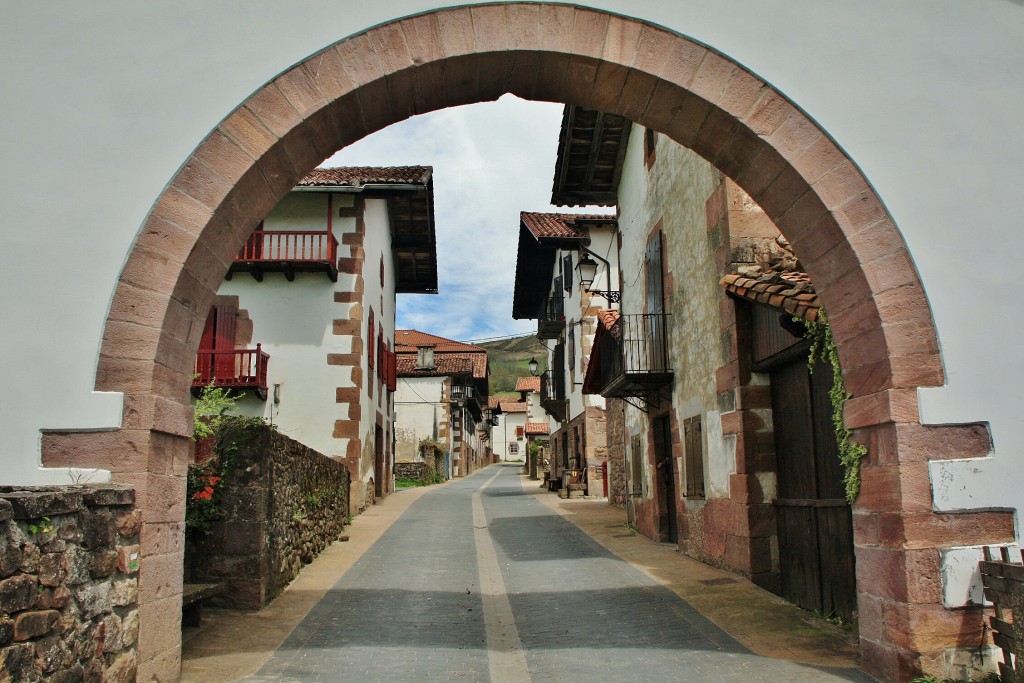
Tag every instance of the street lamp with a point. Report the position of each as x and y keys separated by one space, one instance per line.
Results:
x=534 y=366
x=587 y=268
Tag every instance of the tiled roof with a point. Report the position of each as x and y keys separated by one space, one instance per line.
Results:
x=528 y=384
x=559 y=225
x=408 y=340
x=444 y=364
x=494 y=401
x=791 y=291
x=607 y=317
x=537 y=428
x=357 y=176
x=513 y=407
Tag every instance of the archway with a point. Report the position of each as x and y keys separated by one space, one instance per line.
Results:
x=701 y=99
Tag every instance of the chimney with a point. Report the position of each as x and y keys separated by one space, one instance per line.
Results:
x=425 y=357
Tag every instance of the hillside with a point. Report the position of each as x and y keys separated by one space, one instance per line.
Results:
x=509 y=360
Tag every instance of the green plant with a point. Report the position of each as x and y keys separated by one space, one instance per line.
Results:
x=206 y=480
x=211 y=406
x=42 y=527
x=833 y=618
x=823 y=348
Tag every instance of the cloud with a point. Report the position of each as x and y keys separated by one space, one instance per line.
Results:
x=491 y=161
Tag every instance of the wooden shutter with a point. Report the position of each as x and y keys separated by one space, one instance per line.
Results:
x=204 y=360
x=654 y=353
x=224 y=340
x=694 y=456
x=392 y=369
x=371 y=349
x=567 y=272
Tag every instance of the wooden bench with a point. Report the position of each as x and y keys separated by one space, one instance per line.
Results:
x=192 y=597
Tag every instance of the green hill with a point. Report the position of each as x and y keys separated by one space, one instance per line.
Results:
x=509 y=359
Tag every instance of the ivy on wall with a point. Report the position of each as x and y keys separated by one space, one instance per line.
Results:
x=823 y=347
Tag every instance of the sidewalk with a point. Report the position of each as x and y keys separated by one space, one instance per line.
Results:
x=233 y=644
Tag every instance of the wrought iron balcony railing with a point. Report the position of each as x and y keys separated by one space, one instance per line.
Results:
x=634 y=356
x=551 y=317
x=552 y=393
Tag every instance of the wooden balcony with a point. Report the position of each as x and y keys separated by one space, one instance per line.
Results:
x=633 y=357
x=552 y=394
x=235 y=369
x=288 y=252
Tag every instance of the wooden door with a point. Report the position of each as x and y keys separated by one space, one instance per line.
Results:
x=666 y=472
x=814 y=520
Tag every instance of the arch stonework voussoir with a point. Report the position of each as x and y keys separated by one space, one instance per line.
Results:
x=702 y=99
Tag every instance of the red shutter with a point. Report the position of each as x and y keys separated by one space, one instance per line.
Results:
x=204 y=361
x=519 y=432
x=224 y=340
x=381 y=355
x=371 y=350
x=392 y=370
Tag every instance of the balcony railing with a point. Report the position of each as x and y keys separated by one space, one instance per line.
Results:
x=634 y=356
x=551 y=317
x=234 y=369
x=288 y=252
x=552 y=394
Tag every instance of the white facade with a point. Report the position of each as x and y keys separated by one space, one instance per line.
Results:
x=421 y=412
x=937 y=137
x=508 y=439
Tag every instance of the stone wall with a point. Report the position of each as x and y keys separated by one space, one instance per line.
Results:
x=409 y=470
x=283 y=502
x=69 y=562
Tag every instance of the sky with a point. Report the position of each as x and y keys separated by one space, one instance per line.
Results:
x=491 y=161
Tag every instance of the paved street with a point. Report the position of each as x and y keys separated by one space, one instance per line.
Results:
x=479 y=580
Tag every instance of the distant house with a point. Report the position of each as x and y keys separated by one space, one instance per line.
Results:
x=553 y=249
x=441 y=397
x=303 y=325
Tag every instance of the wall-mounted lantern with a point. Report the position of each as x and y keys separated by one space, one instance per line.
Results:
x=534 y=366
x=587 y=268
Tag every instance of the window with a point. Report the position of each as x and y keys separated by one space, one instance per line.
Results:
x=650 y=145
x=519 y=433
x=571 y=344
x=693 y=440
x=636 y=462
x=513 y=449
x=567 y=272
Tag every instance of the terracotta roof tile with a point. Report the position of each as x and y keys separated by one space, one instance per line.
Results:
x=513 y=407
x=528 y=384
x=538 y=428
x=791 y=291
x=494 y=401
x=559 y=225
x=607 y=317
x=444 y=364
x=408 y=340
x=357 y=176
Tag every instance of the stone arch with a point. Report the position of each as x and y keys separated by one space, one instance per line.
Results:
x=698 y=97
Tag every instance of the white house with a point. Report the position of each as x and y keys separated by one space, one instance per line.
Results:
x=304 y=324
x=442 y=397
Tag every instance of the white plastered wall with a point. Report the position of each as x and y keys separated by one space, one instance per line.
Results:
x=108 y=99
x=419 y=414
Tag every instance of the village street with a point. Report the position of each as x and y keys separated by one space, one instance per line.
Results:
x=481 y=579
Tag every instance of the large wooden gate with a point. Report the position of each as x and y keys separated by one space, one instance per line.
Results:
x=814 y=519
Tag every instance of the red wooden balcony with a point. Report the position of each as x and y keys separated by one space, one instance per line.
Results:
x=234 y=369
x=288 y=252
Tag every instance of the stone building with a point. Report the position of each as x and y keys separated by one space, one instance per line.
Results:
x=551 y=248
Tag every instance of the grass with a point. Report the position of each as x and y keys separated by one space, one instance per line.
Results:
x=406 y=483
